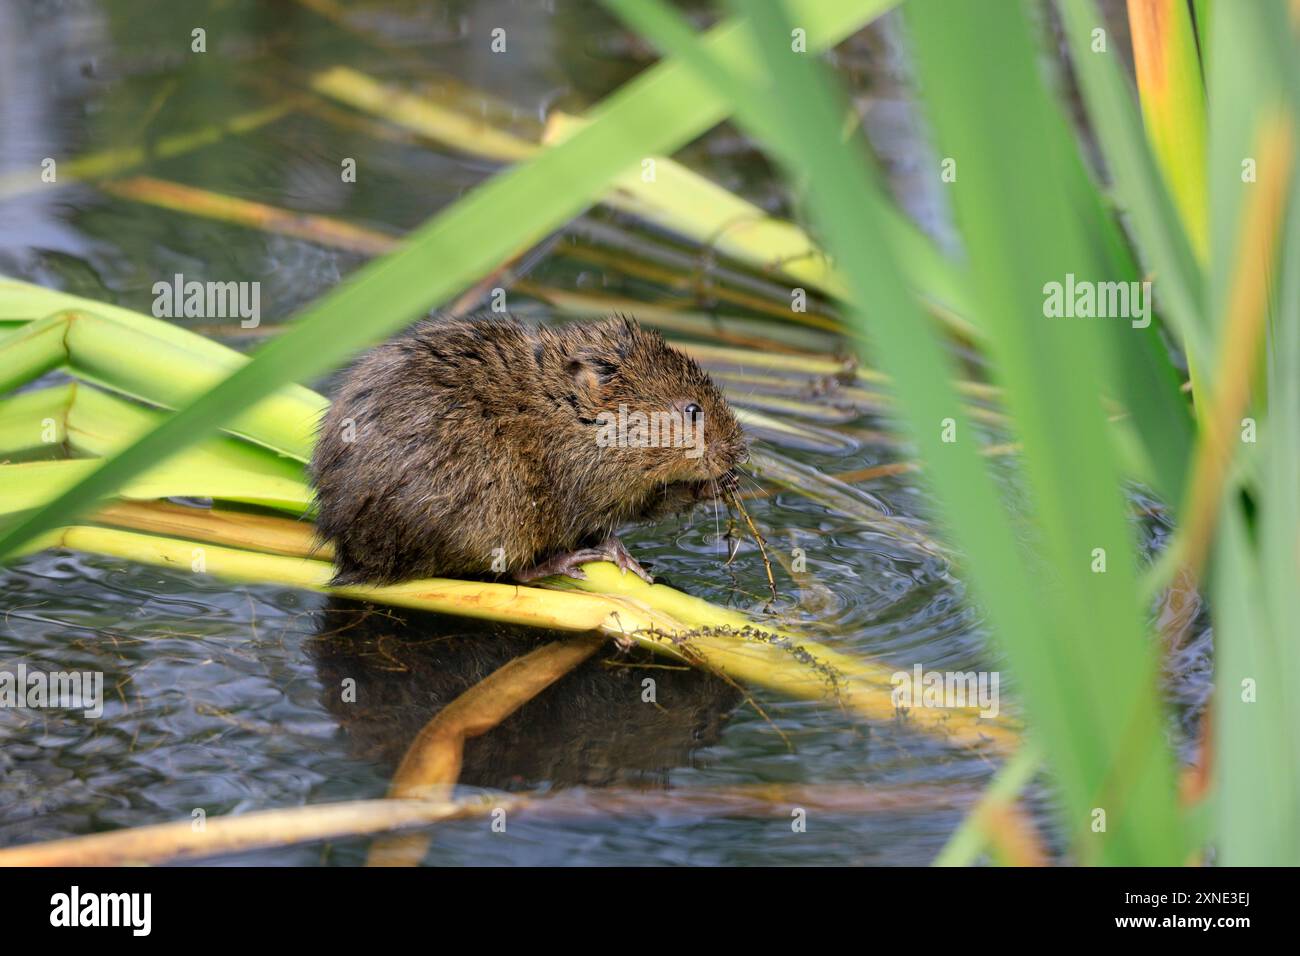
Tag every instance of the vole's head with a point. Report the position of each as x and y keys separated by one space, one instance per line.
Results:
x=657 y=411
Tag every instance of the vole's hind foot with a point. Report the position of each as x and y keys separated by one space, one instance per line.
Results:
x=570 y=564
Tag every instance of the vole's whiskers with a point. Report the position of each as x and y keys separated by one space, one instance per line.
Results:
x=717 y=524
x=757 y=488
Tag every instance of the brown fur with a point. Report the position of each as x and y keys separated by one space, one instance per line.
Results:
x=478 y=434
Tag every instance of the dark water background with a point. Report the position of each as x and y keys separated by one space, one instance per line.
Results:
x=223 y=697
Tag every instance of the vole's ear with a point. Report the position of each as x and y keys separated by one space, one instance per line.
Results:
x=586 y=380
x=591 y=372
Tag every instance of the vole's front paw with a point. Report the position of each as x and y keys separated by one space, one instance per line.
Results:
x=570 y=564
x=616 y=552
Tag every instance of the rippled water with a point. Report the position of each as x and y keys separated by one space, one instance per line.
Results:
x=225 y=697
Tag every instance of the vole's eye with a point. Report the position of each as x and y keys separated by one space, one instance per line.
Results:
x=693 y=412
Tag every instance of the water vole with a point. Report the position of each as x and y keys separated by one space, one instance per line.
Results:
x=465 y=448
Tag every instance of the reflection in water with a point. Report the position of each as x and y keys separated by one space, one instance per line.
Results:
x=593 y=727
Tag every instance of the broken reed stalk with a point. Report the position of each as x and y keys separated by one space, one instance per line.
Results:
x=109 y=162
x=28 y=485
x=734 y=645
x=514 y=604
x=256 y=532
x=178 y=197
x=467 y=133
x=263 y=829
x=432 y=762
x=156 y=844
x=434 y=758
x=144 y=358
x=733 y=499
